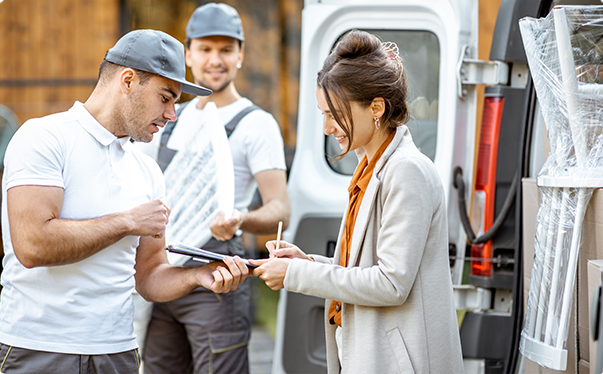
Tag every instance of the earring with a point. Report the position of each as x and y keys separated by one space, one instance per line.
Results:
x=238 y=66
x=377 y=122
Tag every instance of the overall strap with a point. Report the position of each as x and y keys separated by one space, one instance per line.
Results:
x=232 y=125
x=165 y=155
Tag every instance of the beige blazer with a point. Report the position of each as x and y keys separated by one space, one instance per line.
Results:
x=398 y=311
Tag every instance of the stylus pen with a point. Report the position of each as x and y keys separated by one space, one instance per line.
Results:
x=278 y=234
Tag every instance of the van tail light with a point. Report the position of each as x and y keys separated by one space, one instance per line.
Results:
x=485 y=183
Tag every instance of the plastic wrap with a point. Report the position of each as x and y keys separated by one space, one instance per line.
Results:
x=565 y=56
x=199 y=182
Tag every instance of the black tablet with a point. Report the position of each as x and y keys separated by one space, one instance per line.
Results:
x=200 y=254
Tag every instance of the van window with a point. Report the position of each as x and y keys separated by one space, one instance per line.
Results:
x=420 y=51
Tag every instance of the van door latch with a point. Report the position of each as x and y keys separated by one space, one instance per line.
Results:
x=472 y=72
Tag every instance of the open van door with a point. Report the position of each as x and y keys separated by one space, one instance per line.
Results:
x=438 y=44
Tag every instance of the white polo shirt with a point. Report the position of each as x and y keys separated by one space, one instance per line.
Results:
x=85 y=307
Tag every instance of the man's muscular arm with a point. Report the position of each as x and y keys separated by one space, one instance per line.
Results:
x=40 y=238
x=272 y=185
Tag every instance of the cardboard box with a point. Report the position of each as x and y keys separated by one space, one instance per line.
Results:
x=591 y=249
x=578 y=340
x=595 y=270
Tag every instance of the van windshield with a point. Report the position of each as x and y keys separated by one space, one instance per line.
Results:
x=420 y=51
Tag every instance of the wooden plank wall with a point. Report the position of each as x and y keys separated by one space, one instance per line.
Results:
x=50 y=52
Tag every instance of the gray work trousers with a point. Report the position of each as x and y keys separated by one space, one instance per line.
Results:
x=15 y=360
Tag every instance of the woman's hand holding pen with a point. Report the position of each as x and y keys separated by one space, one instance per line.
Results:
x=285 y=250
x=273 y=270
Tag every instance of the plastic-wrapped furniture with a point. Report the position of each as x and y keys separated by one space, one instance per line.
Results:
x=565 y=54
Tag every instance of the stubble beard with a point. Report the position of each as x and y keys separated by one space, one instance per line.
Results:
x=129 y=113
x=203 y=83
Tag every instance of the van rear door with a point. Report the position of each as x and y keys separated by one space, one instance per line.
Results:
x=437 y=41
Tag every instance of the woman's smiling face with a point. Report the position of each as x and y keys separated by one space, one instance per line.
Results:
x=361 y=125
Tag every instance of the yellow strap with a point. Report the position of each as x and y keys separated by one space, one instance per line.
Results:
x=5 y=357
x=137 y=358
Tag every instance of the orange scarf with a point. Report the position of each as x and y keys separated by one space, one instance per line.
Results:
x=358 y=184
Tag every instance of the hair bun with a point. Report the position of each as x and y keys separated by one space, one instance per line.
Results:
x=357 y=44
x=359 y=69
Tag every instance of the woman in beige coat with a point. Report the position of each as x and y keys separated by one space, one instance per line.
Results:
x=388 y=288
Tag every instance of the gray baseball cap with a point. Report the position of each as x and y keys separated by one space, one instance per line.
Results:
x=154 y=52
x=215 y=19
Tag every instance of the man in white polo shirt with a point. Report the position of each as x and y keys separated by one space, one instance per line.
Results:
x=83 y=222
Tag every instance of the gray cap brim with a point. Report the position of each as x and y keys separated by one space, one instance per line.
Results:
x=154 y=52
x=191 y=88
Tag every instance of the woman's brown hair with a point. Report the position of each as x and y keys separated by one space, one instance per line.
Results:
x=359 y=69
